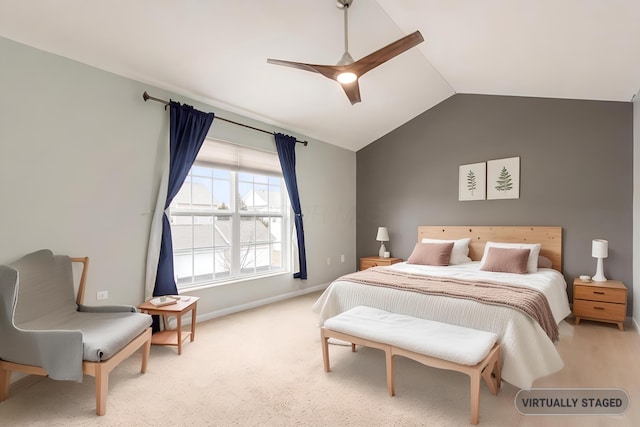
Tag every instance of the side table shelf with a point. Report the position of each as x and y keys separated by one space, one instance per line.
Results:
x=169 y=337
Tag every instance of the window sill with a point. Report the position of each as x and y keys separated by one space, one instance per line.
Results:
x=207 y=285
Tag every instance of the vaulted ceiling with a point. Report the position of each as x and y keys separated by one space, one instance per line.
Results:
x=215 y=51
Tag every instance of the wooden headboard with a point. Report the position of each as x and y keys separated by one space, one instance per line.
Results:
x=550 y=238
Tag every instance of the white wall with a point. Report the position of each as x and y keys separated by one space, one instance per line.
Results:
x=79 y=173
x=636 y=211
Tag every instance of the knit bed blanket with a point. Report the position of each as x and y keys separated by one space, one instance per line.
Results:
x=529 y=301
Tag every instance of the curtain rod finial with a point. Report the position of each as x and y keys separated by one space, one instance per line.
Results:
x=145 y=96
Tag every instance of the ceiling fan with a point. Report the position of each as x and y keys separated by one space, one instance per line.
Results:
x=347 y=71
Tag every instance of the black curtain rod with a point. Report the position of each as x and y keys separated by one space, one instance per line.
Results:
x=146 y=97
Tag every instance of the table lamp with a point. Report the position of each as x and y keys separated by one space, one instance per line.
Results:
x=383 y=236
x=599 y=250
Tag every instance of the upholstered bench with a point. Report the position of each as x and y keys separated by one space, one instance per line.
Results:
x=439 y=345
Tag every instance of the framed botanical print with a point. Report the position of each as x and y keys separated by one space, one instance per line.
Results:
x=503 y=178
x=472 y=181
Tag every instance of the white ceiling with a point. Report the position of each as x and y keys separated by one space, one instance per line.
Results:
x=215 y=51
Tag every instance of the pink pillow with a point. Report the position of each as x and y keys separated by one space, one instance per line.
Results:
x=505 y=260
x=544 y=262
x=431 y=254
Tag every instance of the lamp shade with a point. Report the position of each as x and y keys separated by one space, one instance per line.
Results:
x=383 y=234
x=599 y=248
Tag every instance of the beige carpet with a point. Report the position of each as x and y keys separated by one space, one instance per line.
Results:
x=263 y=367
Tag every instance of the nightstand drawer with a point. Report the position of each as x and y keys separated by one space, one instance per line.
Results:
x=599 y=310
x=364 y=264
x=600 y=294
x=375 y=261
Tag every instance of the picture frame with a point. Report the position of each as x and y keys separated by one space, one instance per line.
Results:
x=503 y=178
x=472 y=180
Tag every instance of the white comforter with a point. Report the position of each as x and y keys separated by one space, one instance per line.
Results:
x=527 y=351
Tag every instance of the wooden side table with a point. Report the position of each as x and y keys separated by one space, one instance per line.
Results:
x=600 y=301
x=176 y=336
x=374 y=261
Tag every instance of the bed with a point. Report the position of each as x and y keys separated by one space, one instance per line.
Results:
x=528 y=350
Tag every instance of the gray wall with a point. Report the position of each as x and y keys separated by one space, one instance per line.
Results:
x=79 y=174
x=576 y=171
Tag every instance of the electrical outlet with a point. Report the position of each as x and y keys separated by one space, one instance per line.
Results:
x=101 y=295
x=341 y=258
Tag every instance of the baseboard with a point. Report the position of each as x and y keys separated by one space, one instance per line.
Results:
x=235 y=309
x=635 y=325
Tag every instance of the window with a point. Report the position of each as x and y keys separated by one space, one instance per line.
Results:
x=230 y=219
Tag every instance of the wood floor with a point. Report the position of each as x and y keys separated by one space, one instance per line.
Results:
x=613 y=356
x=598 y=355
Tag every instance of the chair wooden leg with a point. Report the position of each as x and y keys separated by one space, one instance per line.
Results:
x=102 y=388
x=5 y=380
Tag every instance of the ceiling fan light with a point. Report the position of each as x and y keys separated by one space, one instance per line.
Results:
x=347 y=77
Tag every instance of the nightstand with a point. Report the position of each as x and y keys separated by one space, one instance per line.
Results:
x=600 y=301
x=374 y=261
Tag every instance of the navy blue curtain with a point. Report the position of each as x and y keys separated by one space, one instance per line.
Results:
x=286 y=146
x=188 y=129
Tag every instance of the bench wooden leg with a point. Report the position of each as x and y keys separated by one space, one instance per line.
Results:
x=492 y=374
x=475 y=396
x=390 y=370
x=490 y=371
x=325 y=350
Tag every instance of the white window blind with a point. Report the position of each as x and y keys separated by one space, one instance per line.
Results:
x=236 y=157
x=230 y=220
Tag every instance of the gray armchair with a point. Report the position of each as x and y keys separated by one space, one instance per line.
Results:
x=46 y=330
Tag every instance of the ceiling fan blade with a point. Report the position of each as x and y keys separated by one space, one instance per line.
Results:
x=298 y=65
x=353 y=91
x=381 y=56
x=329 y=71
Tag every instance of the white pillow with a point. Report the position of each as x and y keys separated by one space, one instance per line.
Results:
x=460 y=252
x=534 y=251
